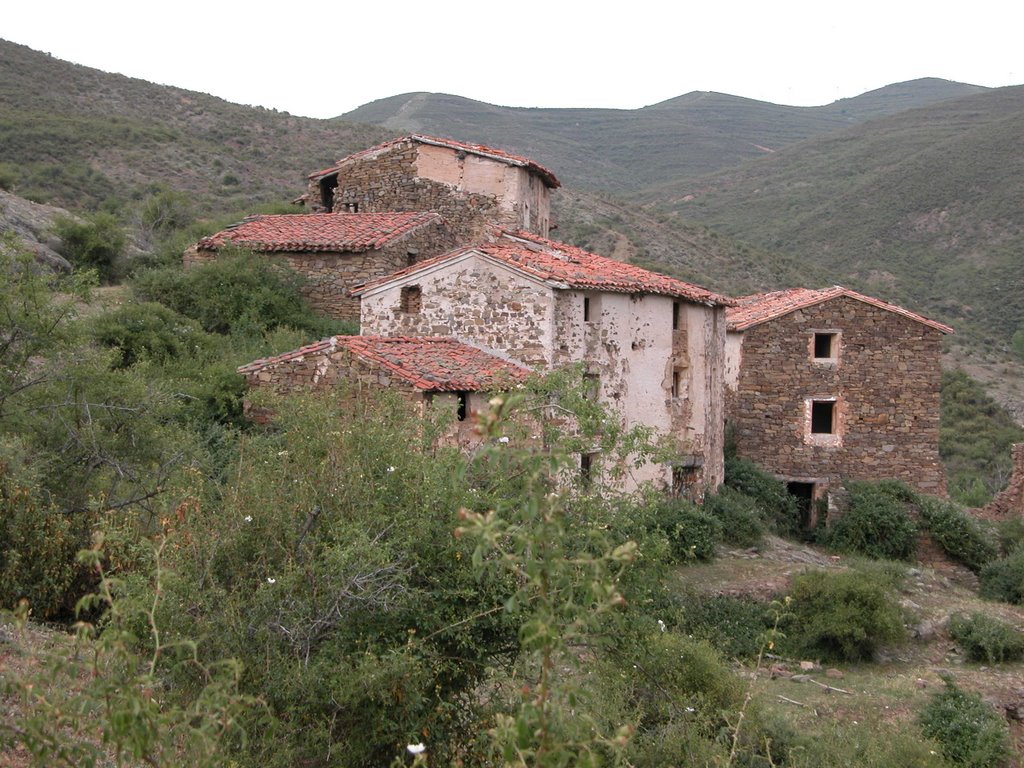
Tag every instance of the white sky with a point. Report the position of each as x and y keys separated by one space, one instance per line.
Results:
x=325 y=58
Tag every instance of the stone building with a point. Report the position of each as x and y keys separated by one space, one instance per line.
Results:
x=831 y=385
x=472 y=186
x=437 y=370
x=334 y=252
x=653 y=346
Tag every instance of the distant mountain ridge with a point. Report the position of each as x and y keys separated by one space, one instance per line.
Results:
x=627 y=150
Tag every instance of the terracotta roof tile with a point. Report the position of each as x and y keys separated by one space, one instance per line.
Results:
x=760 y=307
x=311 y=232
x=568 y=267
x=429 y=363
x=474 y=149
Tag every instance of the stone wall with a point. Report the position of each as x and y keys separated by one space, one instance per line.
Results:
x=884 y=380
x=474 y=301
x=356 y=379
x=1008 y=503
x=389 y=180
x=330 y=276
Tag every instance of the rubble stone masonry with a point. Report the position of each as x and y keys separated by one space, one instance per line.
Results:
x=883 y=378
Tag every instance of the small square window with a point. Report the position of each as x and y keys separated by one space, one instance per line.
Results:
x=825 y=346
x=823 y=417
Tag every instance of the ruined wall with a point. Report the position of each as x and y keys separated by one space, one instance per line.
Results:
x=472 y=300
x=1008 y=503
x=884 y=381
x=650 y=374
x=331 y=276
x=470 y=192
x=357 y=379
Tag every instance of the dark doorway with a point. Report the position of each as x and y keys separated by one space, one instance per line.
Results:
x=804 y=495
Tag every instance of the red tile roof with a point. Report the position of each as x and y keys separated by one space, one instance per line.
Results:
x=429 y=363
x=760 y=307
x=318 y=231
x=566 y=266
x=474 y=149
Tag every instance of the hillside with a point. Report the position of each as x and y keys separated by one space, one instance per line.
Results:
x=920 y=207
x=626 y=150
x=79 y=137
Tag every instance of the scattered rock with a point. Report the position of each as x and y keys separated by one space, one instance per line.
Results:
x=835 y=674
x=800 y=678
x=779 y=670
x=807 y=666
x=921 y=682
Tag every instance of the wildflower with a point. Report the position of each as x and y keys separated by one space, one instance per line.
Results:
x=391 y=469
x=271 y=580
x=415 y=749
x=661 y=625
x=248 y=518
x=282 y=453
x=503 y=439
x=690 y=709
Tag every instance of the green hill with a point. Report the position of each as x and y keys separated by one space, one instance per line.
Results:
x=922 y=207
x=626 y=150
x=79 y=137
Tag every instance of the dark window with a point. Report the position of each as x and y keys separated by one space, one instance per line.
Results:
x=586 y=309
x=586 y=467
x=677 y=383
x=327 y=186
x=351 y=207
x=804 y=493
x=684 y=480
x=675 y=315
x=824 y=346
x=463 y=411
x=410 y=256
x=411 y=300
x=823 y=413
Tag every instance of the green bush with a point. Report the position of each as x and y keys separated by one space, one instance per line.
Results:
x=739 y=516
x=780 y=510
x=875 y=523
x=969 y=732
x=691 y=531
x=239 y=292
x=736 y=626
x=1004 y=579
x=95 y=243
x=148 y=331
x=959 y=535
x=843 y=616
x=985 y=638
x=1011 y=535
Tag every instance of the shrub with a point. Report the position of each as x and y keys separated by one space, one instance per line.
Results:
x=736 y=626
x=148 y=331
x=844 y=616
x=778 y=507
x=236 y=292
x=1004 y=579
x=985 y=638
x=1011 y=535
x=738 y=514
x=96 y=243
x=875 y=523
x=968 y=731
x=956 y=533
x=692 y=532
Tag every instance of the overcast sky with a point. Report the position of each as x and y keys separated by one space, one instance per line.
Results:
x=323 y=59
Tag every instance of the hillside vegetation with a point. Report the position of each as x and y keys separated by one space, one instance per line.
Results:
x=81 y=138
x=623 y=150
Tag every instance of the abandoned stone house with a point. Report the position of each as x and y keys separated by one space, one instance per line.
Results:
x=437 y=370
x=830 y=385
x=333 y=253
x=472 y=186
x=652 y=346
x=440 y=250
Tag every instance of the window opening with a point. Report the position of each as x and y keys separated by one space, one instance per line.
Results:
x=675 y=315
x=586 y=309
x=591 y=386
x=586 y=467
x=351 y=207
x=327 y=187
x=411 y=299
x=824 y=346
x=678 y=383
x=823 y=417
x=463 y=411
